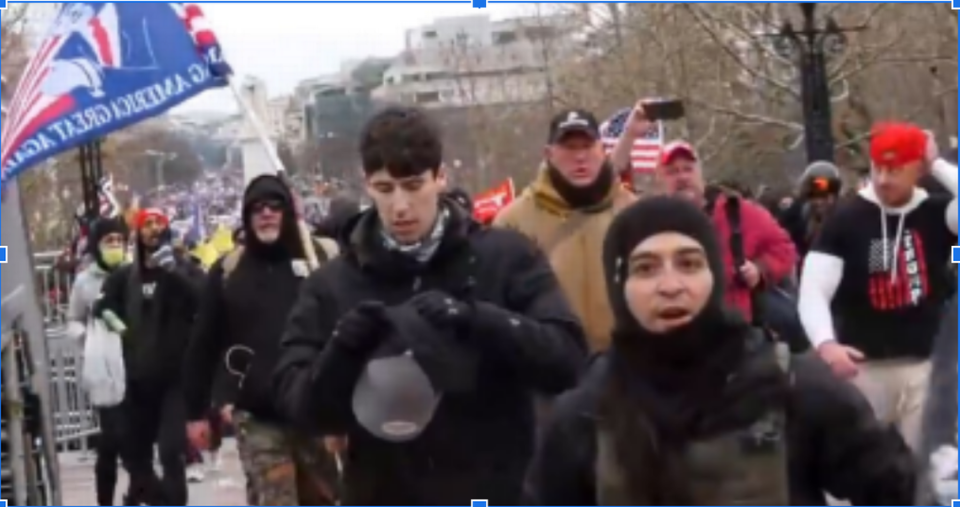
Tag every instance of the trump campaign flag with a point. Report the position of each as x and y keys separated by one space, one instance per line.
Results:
x=487 y=205
x=103 y=66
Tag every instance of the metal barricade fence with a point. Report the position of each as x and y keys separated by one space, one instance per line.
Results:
x=75 y=419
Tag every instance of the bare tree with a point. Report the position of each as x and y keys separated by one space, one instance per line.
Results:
x=506 y=92
x=743 y=98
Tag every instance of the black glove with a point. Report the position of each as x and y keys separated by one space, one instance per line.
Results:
x=361 y=329
x=441 y=309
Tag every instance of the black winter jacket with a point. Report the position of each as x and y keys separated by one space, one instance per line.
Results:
x=834 y=442
x=477 y=445
x=243 y=314
x=158 y=326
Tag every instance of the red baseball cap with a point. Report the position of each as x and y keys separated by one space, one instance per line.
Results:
x=671 y=151
x=897 y=144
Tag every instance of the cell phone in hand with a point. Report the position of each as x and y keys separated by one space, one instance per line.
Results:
x=664 y=110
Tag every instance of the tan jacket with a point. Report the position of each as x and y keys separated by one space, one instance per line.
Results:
x=573 y=241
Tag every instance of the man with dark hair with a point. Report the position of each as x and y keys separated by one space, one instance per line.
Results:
x=425 y=341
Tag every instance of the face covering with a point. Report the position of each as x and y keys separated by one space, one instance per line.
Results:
x=112 y=256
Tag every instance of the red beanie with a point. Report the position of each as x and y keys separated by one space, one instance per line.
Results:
x=155 y=213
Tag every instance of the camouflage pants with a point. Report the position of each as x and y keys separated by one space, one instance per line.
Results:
x=282 y=467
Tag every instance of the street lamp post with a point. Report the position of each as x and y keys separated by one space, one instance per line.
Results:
x=810 y=47
x=162 y=158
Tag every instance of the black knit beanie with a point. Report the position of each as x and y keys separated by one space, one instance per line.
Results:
x=102 y=228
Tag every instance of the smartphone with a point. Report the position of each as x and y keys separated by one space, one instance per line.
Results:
x=664 y=110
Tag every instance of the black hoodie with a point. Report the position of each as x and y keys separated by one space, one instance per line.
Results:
x=242 y=315
x=658 y=394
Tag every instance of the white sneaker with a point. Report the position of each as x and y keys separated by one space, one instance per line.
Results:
x=195 y=474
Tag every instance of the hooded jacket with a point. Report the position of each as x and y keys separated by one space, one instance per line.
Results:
x=158 y=307
x=341 y=212
x=479 y=443
x=243 y=313
x=89 y=282
x=571 y=240
x=878 y=277
x=708 y=414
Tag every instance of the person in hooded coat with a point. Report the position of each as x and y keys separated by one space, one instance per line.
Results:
x=107 y=247
x=244 y=308
x=342 y=210
x=156 y=297
x=692 y=407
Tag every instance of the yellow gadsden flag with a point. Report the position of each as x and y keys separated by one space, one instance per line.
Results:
x=222 y=240
x=206 y=254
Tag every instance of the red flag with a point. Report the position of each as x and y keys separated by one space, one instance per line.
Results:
x=487 y=205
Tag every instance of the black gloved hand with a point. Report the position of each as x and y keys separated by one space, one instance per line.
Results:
x=362 y=329
x=441 y=309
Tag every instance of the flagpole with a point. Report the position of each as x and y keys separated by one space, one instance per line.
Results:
x=264 y=138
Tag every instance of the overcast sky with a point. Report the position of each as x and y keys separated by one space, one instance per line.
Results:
x=286 y=43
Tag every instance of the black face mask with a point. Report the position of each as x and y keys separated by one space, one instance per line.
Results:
x=583 y=197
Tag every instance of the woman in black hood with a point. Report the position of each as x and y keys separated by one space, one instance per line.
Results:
x=691 y=406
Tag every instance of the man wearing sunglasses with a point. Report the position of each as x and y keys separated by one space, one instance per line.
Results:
x=818 y=192
x=242 y=316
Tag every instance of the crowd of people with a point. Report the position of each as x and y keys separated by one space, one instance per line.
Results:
x=590 y=346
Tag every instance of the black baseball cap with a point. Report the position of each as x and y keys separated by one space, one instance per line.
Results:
x=573 y=121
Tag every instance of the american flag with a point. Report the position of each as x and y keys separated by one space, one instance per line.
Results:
x=109 y=206
x=203 y=36
x=645 y=155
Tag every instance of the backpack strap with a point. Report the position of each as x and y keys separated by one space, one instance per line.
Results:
x=231 y=261
x=732 y=206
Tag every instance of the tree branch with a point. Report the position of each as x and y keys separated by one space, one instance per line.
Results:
x=908 y=117
x=699 y=15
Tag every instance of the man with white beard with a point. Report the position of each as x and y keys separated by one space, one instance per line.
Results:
x=243 y=311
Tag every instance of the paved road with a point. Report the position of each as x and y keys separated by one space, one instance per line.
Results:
x=225 y=487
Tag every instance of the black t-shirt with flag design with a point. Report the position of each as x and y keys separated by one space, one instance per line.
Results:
x=889 y=304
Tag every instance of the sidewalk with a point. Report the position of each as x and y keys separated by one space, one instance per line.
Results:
x=225 y=487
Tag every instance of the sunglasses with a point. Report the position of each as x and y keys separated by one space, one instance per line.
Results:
x=273 y=206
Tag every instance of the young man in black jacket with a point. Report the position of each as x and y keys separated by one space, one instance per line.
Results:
x=156 y=299
x=243 y=309
x=490 y=292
